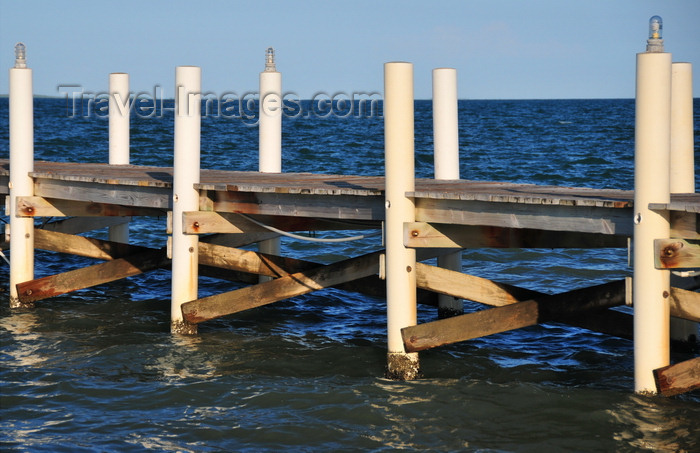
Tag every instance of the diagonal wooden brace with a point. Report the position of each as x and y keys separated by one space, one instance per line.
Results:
x=285 y=287
x=562 y=306
x=86 y=277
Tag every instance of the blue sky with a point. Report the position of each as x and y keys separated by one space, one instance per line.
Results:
x=502 y=49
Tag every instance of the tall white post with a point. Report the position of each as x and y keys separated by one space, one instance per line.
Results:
x=270 y=125
x=21 y=164
x=682 y=164
x=651 y=286
x=270 y=134
x=400 y=178
x=188 y=118
x=119 y=113
x=446 y=158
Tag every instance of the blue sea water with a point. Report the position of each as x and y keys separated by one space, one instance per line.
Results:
x=98 y=370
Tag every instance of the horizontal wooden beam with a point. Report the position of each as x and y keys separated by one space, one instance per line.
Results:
x=369 y=207
x=679 y=378
x=550 y=217
x=203 y=222
x=132 y=194
x=676 y=253
x=442 y=235
x=47 y=207
x=558 y=307
x=290 y=285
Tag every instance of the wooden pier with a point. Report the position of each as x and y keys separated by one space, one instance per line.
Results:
x=449 y=215
x=209 y=215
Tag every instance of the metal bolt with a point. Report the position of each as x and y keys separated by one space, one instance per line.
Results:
x=408 y=269
x=666 y=294
x=191 y=249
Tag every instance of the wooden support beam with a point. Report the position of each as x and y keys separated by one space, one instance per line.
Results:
x=606 y=218
x=441 y=235
x=679 y=378
x=281 y=288
x=47 y=207
x=277 y=266
x=685 y=304
x=86 y=277
x=250 y=261
x=522 y=314
x=676 y=253
x=464 y=286
x=83 y=246
x=203 y=222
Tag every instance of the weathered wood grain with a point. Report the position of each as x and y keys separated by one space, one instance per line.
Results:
x=676 y=253
x=441 y=235
x=281 y=288
x=679 y=378
x=558 y=307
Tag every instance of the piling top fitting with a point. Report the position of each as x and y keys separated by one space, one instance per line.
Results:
x=20 y=55
x=655 y=42
x=270 y=60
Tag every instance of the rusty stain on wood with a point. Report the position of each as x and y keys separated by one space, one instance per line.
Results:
x=676 y=253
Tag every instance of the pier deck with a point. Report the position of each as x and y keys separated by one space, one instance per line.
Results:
x=344 y=196
x=347 y=197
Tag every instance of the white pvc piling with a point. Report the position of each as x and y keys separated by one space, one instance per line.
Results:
x=270 y=134
x=188 y=88
x=400 y=178
x=21 y=164
x=446 y=159
x=119 y=115
x=651 y=286
x=682 y=162
x=270 y=123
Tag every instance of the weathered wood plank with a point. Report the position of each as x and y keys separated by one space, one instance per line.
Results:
x=551 y=217
x=679 y=378
x=470 y=326
x=203 y=222
x=464 y=286
x=521 y=314
x=676 y=253
x=684 y=225
x=302 y=205
x=685 y=304
x=83 y=246
x=277 y=266
x=87 y=277
x=251 y=262
x=97 y=192
x=281 y=288
x=422 y=234
x=47 y=207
